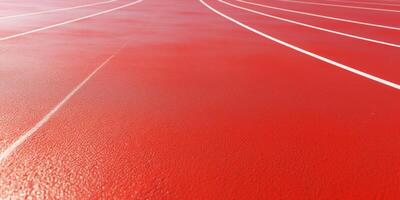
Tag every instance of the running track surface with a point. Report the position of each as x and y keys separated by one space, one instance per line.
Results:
x=190 y=99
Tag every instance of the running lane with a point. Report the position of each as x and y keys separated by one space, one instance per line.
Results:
x=370 y=3
x=369 y=16
x=25 y=21
x=344 y=25
x=355 y=3
x=197 y=107
x=38 y=68
x=349 y=51
x=18 y=7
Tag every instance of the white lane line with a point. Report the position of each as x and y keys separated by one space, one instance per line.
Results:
x=321 y=58
x=7 y=152
x=341 y=6
x=322 y=16
x=313 y=27
x=364 y=2
x=57 y=10
x=69 y=21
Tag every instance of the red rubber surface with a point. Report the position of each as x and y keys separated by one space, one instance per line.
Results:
x=197 y=107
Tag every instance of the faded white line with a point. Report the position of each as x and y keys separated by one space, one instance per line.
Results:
x=341 y=6
x=69 y=21
x=7 y=152
x=56 y=10
x=313 y=27
x=321 y=16
x=321 y=58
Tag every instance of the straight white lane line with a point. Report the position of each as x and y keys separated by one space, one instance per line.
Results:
x=321 y=58
x=322 y=16
x=7 y=152
x=56 y=10
x=70 y=21
x=313 y=27
x=341 y=6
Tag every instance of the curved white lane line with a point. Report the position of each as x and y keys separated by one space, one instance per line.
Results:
x=57 y=10
x=341 y=6
x=321 y=58
x=7 y=152
x=364 y=2
x=311 y=26
x=321 y=16
x=69 y=21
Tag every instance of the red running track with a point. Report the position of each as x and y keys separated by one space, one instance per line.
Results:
x=169 y=99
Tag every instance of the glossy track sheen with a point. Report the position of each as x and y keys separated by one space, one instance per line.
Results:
x=198 y=99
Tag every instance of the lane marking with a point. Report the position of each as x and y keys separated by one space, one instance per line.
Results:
x=321 y=58
x=322 y=16
x=21 y=139
x=313 y=27
x=57 y=10
x=341 y=6
x=70 y=21
x=363 y=2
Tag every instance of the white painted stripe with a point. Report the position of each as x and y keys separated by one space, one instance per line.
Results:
x=313 y=27
x=322 y=16
x=321 y=58
x=364 y=2
x=341 y=6
x=7 y=152
x=57 y=10
x=69 y=21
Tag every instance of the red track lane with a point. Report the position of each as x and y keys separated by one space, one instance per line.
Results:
x=366 y=1
x=378 y=17
x=47 y=62
x=355 y=3
x=376 y=33
x=338 y=5
x=17 y=7
x=18 y=25
x=348 y=51
x=385 y=1
x=194 y=107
